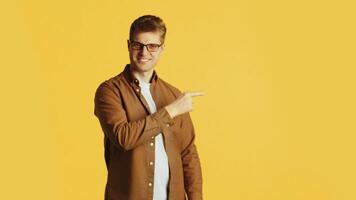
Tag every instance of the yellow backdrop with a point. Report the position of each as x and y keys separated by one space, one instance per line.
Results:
x=277 y=121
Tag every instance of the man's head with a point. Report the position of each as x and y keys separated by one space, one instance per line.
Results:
x=146 y=43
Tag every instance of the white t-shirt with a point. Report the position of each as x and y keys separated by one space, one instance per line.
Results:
x=161 y=167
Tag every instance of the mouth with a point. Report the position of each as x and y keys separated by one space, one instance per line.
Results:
x=143 y=60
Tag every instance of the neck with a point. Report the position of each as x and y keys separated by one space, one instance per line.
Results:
x=145 y=76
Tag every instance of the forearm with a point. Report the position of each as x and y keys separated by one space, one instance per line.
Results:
x=128 y=135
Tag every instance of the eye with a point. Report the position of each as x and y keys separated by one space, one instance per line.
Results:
x=153 y=46
x=135 y=45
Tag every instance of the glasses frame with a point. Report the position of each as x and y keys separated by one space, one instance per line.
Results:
x=144 y=45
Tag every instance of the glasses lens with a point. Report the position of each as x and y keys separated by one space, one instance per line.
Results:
x=153 y=47
x=135 y=45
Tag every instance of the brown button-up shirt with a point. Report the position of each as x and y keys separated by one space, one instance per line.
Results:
x=129 y=131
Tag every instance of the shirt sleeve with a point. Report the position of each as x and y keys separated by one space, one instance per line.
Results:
x=123 y=134
x=191 y=162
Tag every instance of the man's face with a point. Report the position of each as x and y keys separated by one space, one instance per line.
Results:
x=141 y=59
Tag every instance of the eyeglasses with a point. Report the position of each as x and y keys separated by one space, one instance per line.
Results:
x=151 y=47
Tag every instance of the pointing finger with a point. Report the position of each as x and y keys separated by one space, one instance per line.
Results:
x=195 y=94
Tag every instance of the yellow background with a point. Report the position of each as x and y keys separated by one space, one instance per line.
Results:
x=277 y=121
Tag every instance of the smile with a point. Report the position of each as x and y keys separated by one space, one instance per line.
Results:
x=143 y=59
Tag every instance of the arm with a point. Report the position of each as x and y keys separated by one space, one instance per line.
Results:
x=123 y=134
x=191 y=163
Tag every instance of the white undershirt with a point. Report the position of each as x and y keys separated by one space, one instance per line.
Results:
x=161 y=171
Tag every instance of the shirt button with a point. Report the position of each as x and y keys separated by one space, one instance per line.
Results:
x=150 y=184
x=153 y=137
x=137 y=90
x=151 y=144
x=168 y=125
x=151 y=163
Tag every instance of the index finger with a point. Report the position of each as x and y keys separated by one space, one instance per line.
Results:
x=195 y=94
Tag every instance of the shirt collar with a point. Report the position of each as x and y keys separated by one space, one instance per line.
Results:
x=132 y=79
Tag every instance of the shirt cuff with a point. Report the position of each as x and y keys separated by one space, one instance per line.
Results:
x=163 y=118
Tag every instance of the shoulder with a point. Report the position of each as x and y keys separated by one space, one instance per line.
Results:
x=113 y=81
x=111 y=85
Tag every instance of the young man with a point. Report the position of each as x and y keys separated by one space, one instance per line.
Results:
x=148 y=133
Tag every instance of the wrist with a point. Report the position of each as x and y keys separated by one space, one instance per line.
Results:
x=170 y=111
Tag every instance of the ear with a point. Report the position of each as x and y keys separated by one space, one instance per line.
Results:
x=163 y=46
x=128 y=45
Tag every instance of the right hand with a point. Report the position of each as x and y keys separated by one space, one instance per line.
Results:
x=182 y=104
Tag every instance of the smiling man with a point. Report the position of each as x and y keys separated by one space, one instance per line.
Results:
x=148 y=133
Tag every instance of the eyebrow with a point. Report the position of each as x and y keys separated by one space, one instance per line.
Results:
x=143 y=43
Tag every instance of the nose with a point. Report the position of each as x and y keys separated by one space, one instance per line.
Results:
x=144 y=50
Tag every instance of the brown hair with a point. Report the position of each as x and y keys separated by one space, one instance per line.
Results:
x=148 y=23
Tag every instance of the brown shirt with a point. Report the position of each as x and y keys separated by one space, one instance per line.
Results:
x=129 y=132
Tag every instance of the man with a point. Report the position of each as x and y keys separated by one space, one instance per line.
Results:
x=148 y=133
